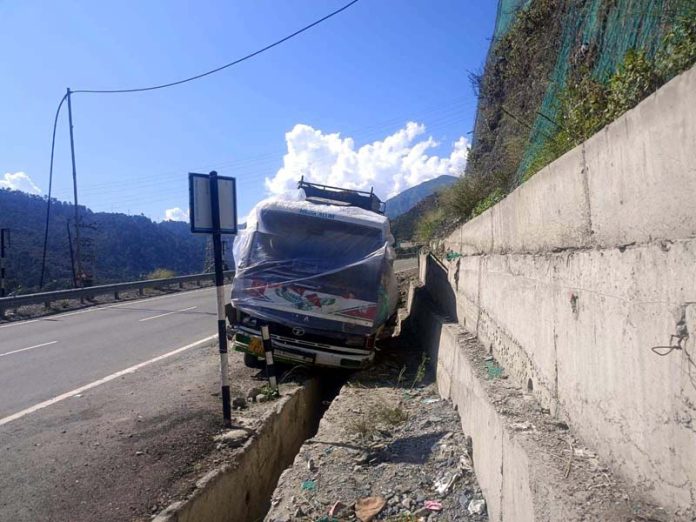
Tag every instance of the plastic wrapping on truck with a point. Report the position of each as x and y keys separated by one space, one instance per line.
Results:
x=313 y=266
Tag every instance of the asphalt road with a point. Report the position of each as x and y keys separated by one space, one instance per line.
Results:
x=45 y=358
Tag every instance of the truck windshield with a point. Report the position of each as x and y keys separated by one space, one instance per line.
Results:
x=313 y=239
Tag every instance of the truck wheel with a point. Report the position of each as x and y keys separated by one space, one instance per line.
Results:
x=251 y=361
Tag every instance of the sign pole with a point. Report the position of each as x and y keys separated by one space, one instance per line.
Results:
x=220 y=288
x=213 y=210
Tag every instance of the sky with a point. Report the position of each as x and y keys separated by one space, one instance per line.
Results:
x=377 y=96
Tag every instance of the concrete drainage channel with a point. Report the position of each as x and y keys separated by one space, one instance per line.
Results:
x=241 y=489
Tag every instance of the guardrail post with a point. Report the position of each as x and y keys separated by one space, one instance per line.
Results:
x=141 y=291
x=47 y=304
x=116 y=296
x=181 y=286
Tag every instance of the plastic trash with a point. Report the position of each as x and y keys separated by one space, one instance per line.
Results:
x=477 y=506
x=433 y=505
x=443 y=484
x=309 y=485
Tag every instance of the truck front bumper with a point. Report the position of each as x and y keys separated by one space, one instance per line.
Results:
x=296 y=351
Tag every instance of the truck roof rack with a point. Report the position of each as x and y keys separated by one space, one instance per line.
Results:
x=327 y=195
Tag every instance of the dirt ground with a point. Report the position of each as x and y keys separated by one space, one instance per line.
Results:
x=112 y=455
x=387 y=437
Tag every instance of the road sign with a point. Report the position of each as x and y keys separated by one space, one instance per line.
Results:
x=200 y=207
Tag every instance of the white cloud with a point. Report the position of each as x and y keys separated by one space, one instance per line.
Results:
x=176 y=214
x=391 y=165
x=19 y=181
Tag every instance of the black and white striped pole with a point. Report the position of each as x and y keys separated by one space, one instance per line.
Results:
x=220 y=290
x=268 y=350
x=213 y=210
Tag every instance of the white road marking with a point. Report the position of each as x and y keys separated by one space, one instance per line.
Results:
x=19 y=324
x=104 y=380
x=168 y=313
x=96 y=308
x=25 y=349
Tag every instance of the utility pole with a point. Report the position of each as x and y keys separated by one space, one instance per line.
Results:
x=72 y=256
x=80 y=274
x=4 y=233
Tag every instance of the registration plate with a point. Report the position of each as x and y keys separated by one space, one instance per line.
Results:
x=295 y=356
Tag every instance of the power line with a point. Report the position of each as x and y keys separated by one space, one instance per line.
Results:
x=156 y=87
x=222 y=67
x=50 y=187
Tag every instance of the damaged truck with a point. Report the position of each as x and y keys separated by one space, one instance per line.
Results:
x=317 y=266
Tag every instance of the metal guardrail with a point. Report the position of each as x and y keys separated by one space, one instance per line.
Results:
x=93 y=291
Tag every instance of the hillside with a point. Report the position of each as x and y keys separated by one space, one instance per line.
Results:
x=406 y=200
x=404 y=226
x=556 y=73
x=116 y=247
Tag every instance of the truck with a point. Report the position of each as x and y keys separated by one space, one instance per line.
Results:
x=316 y=266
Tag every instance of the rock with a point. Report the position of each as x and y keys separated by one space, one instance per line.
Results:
x=422 y=512
x=407 y=502
x=477 y=506
x=239 y=403
x=253 y=393
x=310 y=465
x=232 y=438
x=261 y=398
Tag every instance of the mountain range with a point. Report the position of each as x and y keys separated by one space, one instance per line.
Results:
x=115 y=247
x=409 y=198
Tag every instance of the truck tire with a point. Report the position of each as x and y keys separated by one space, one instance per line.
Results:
x=251 y=361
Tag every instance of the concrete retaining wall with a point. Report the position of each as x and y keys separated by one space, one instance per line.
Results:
x=576 y=275
x=524 y=461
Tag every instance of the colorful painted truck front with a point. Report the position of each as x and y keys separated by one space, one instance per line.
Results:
x=317 y=267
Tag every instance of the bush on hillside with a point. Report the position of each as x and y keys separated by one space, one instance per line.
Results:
x=161 y=273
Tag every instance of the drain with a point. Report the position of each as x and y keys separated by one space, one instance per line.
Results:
x=242 y=490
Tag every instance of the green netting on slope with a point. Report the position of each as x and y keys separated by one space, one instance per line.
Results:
x=604 y=30
x=507 y=12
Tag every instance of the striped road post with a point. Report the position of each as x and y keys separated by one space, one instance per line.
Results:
x=220 y=289
x=268 y=350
